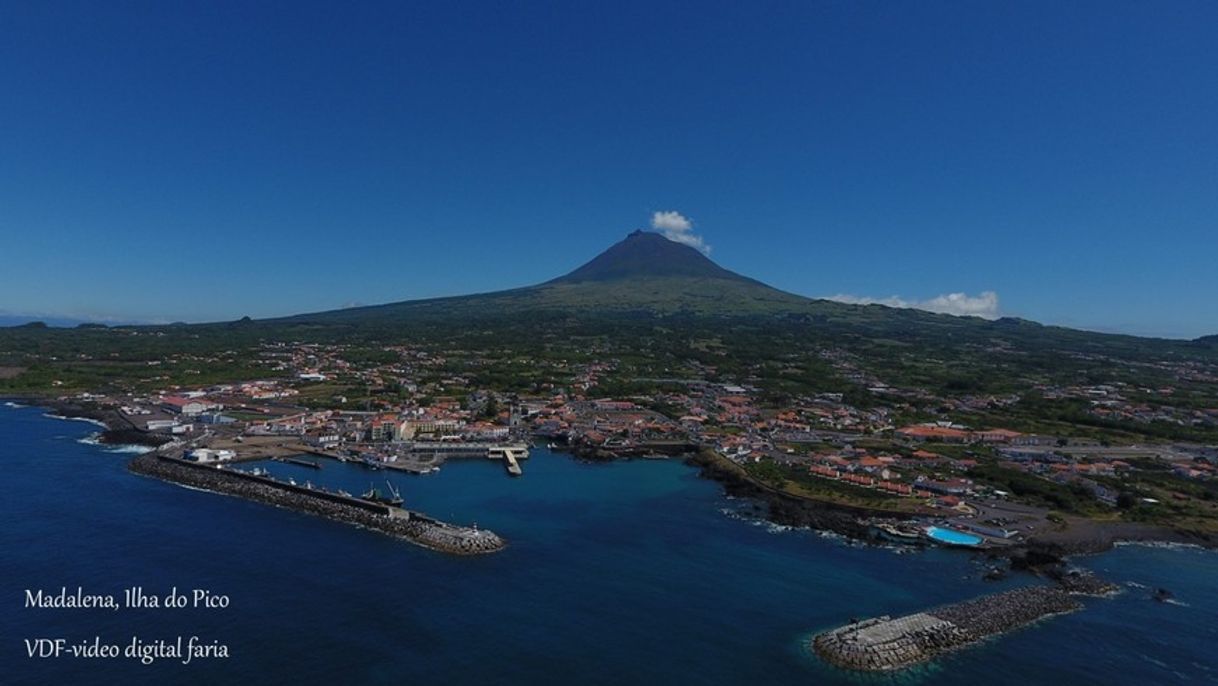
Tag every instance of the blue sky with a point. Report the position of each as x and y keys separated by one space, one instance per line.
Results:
x=173 y=161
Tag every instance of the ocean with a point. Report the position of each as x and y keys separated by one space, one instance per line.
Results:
x=635 y=572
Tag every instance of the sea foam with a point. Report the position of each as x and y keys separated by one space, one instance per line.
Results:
x=95 y=440
x=76 y=419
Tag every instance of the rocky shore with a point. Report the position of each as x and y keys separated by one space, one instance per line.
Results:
x=788 y=510
x=118 y=431
x=884 y=643
x=414 y=527
x=1081 y=537
x=594 y=453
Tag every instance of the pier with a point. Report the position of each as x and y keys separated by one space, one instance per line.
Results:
x=311 y=464
x=884 y=643
x=415 y=527
x=493 y=451
x=510 y=455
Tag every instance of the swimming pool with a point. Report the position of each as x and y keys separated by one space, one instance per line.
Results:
x=952 y=536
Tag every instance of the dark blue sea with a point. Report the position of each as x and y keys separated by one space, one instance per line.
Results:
x=626 y=573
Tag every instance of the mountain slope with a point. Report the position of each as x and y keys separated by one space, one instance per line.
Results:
x=649 y=300
x=646 y=277
x=644 y=272
x=647 y=255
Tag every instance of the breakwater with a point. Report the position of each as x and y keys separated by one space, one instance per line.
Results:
x=884 y=643
x=411 y=526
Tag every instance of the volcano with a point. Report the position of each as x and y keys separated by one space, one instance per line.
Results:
x=643 y=255
x=643 y=273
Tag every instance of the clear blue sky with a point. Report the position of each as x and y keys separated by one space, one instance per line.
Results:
x=176 y=161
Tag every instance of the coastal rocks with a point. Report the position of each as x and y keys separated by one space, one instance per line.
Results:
x=600 y=453
x=118 y=431
x=1036 y=556
x=132 y=437
x=994 y=574
x=786 y=510
x=411 y=526
x=883 y=643
x=452 y=539
x=790 y=512
x=1082 y=582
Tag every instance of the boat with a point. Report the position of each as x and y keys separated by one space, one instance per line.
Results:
x=374 y=495
x=311 y=464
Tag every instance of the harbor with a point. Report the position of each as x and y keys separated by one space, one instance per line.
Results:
x=566 y=521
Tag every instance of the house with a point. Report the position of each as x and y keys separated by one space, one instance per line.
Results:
x=923 y=432
x=326 y=440
x=186 y=406
x=996 y=435
x=207 y=455
x=1033 y=440
x=949 y=487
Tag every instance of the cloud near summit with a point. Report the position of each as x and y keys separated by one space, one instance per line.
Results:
x=984 y=305
x=676 y=227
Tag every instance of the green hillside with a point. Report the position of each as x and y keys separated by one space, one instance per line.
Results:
x=655 y=308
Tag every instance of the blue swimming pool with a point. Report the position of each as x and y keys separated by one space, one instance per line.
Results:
x=952 y=536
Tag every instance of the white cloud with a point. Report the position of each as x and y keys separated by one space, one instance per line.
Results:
x=676 y=227
x=983 y=305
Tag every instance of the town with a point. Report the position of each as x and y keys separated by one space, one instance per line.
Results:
x=904 y=452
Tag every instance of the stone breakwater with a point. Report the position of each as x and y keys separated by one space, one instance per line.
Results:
x=411 y=526
x=884 y=643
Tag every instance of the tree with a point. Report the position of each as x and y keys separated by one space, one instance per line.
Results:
x=491 y=409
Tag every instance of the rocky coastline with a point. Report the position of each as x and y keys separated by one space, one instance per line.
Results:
x=1045 y=552
x=787 y=510
x=118 y=431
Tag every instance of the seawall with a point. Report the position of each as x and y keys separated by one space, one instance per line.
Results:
x=411 y=526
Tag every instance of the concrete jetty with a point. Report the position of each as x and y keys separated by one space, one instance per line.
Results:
x=510 y=454
x=394 y=521
x=884 y=643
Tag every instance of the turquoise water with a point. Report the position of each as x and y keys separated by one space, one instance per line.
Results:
x=952 y=536
x=632 y=572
